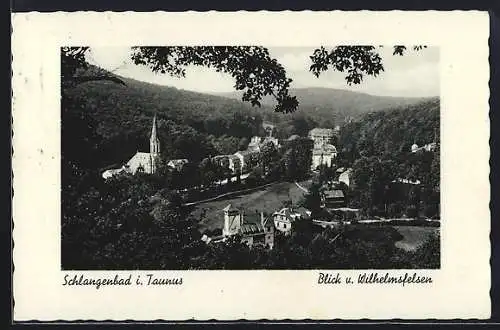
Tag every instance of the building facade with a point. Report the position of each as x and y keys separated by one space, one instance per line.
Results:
x=284 y=218
x=426 y=147
x=177 y=164
x=323 y=155
x=345 y=177
x=321 y=136
x=251 y=233
x=332 y=199
x=141 y=162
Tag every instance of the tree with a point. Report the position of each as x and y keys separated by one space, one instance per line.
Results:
x=269 y=157
x=357 y=61
x=75 y=69
x=312 y=200
x=428 y=254
x=297 y=158
x=243 y=143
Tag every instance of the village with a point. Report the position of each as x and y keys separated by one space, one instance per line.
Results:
x=157 y=176
x=260 y=227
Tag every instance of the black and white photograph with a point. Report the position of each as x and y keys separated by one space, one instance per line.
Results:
x=250 y=157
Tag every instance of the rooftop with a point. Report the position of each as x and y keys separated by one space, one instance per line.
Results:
x=337 y=193
x=245 y=152
x=251 y=228
x=318 y=130
x=141 y=156
x=178 y=161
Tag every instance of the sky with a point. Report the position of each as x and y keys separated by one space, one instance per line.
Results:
x=416 y=74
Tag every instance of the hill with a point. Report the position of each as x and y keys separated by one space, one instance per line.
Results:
x=194 y=125
x=332 y=106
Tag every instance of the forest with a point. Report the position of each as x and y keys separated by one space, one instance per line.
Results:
x=194 y=125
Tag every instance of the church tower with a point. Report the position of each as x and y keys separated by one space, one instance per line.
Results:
x=233 y=219
x=154 y=147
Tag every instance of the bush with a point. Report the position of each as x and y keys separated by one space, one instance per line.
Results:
x=431 y=211
x=411 y=211
x=395 y=210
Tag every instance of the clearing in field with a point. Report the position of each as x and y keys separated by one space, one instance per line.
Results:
x=267 y=200
x=413 y=236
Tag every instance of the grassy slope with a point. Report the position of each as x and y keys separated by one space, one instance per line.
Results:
x=267 y=200
x=413 y=236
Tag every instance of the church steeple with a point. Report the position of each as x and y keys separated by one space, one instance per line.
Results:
x=154 y=146
x=154 y=143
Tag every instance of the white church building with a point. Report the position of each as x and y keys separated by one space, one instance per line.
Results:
x=142 y=161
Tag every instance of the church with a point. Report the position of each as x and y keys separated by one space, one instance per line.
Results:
x=145 y=162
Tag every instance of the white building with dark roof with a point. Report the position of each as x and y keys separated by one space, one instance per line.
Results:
x=145 y=162
x=284 y=218
x=177 y=164
x=427 y=147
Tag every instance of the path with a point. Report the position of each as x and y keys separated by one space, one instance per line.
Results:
x=301 y=188
x=227 y=194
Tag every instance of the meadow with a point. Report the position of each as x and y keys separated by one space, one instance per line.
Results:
x=268 y=200
x=413 y=236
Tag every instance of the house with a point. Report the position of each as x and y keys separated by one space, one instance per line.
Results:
x=234 y=163
x=270 y=139
x=145 y=162
x=112 y=172
x=430 y=146
x=321 y=136
x=284 y=218
x=340 y=170
x=332 y=199
x=268 y=127
x=177 y=164
x=345 y=177
x=221 y=160
x=254 y=144
x=323 y=155
x=252 y=233
x=245 y=158
x=426 y=147
x=406 y=181
x=257 y=142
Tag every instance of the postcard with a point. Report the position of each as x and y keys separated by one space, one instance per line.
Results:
x=250 y=166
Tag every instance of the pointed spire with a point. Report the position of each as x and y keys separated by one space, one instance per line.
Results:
x=153 y=130
x=154 y=142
